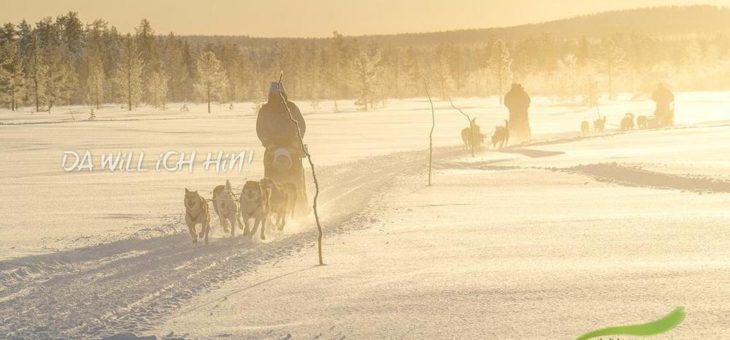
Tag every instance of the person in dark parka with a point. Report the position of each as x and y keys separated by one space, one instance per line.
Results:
x=664 y=99
x=273 y=125
x=278 y=134
x=518 y=102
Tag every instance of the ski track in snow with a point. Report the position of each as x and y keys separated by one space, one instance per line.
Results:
x=127 y=285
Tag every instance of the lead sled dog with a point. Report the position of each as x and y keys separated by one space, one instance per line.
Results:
x=196 y=212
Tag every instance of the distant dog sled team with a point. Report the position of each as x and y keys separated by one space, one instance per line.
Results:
x=599 y=125
x=516 y=129
x=663 y=115
x=473 y=135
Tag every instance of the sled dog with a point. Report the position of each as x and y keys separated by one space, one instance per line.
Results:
x=642 y=122
x=196 y=212
x=627 y=123
x=472 y=134
x=599 y=124
x=281 y=198
x=226 y=207
x=254 y=204
x=501 y=135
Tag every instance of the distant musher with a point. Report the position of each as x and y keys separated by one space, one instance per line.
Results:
x=278 y=134
x=518 y=102
x=664 y=99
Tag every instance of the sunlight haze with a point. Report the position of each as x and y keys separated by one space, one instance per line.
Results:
x=364 y=169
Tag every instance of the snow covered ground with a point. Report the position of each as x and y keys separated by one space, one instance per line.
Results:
x=546 y=240
x=490 y=254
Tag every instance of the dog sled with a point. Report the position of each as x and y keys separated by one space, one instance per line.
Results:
x=283 y=164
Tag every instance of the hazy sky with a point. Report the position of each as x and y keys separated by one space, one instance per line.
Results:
x=317 y=18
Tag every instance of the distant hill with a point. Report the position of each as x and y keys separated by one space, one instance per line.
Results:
x=654 y=21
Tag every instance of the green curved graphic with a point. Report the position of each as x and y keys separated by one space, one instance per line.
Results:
x=662 y=325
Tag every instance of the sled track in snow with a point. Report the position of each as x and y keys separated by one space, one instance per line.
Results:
x=638 y=177
x=612 y=173
x=126 y=286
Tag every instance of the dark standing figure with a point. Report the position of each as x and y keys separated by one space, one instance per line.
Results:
x=518 y=102
x=273 y=125
x=278 y=134
x=664 y=99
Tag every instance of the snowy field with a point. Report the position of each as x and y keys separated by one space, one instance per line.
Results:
x=550 y=239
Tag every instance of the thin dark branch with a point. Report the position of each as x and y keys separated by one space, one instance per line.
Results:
x=430 y=135
x=314 y=175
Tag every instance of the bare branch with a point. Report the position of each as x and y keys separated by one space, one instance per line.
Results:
x=430 y=135
x=314 y=175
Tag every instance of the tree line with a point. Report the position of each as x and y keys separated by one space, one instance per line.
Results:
x=63 y=61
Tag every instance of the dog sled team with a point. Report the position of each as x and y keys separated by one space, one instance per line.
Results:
x=260 y=203
x=663 y=115
x=517 y=127
x=279 y=196
x=473 y=135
